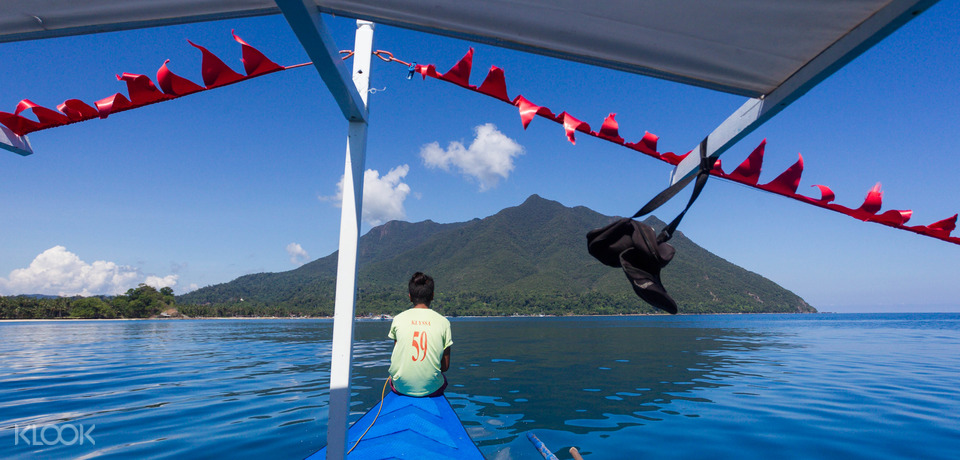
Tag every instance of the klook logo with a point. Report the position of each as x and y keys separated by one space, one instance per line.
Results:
x=66 y=434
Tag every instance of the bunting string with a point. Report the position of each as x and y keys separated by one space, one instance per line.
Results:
x=747 y=173
x=141 y=91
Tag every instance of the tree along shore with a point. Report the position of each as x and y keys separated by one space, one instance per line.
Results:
x=140 y=302
x=148 y=302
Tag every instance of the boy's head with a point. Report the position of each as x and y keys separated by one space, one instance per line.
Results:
x=421 y=289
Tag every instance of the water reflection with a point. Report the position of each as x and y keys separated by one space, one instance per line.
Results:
x=167 y=388
x=587 y=374
x=721 y=387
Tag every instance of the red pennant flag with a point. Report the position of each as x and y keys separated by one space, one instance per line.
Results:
x=460 y=73
x=611 y=129
x=19 y=125
x=428 y=71
x=942 y=228
x=873 y=201
x=141 y=90
x=673 y=158
x=112 y=104
x=571 y=124
x=78 y=110
x=892 y=217
x=174 y=84
x=215 y=72
x=528 y=110
x=826 y=195
x=647 y=145
x=47 y=117
x=495 y=85
x=788 y=181
x=717 y=169
x=749 y=171
x=254 y=62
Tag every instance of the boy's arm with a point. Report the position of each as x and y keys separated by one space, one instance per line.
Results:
x=445 y=360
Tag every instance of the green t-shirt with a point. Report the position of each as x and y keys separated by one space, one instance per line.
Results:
x=421 y=334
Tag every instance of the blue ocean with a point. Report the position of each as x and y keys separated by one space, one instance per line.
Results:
x=845 y=386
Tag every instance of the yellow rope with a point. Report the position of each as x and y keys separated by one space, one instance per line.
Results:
x=382 y=395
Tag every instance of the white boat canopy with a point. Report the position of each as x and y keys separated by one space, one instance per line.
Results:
x=747 y=47
x=770 y=51
x=767 y=50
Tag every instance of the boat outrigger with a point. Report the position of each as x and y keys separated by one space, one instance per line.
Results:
x=771 y=52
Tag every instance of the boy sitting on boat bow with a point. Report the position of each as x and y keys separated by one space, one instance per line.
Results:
x=422 y=341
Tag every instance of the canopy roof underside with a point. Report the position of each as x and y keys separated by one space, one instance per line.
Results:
x=747 y=47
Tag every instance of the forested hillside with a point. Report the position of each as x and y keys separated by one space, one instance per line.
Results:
x=528 y=259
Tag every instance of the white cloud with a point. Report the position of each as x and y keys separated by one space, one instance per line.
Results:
x=161 y=282
x=383 y=197
x=489 y=157
x=57 y=271
x=297 y=255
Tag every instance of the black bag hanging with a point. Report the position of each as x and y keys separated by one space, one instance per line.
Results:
x=635 y=246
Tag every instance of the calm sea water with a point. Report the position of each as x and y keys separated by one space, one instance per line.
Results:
x=746 y=386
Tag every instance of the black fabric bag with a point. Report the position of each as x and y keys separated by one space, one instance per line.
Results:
x=637 y=249
x=633 y=246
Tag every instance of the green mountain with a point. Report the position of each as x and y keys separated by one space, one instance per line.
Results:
x=528 y=259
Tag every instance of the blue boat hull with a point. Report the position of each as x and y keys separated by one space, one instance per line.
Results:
x=414 y=428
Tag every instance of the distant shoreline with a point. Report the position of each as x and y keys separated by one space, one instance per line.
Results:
x=13 y=320
x=246 y=318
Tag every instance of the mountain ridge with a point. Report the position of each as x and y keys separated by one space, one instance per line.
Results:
x=525 y=259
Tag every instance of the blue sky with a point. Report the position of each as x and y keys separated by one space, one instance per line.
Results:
x=239 y=180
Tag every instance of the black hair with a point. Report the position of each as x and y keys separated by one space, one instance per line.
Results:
x=421 y=289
